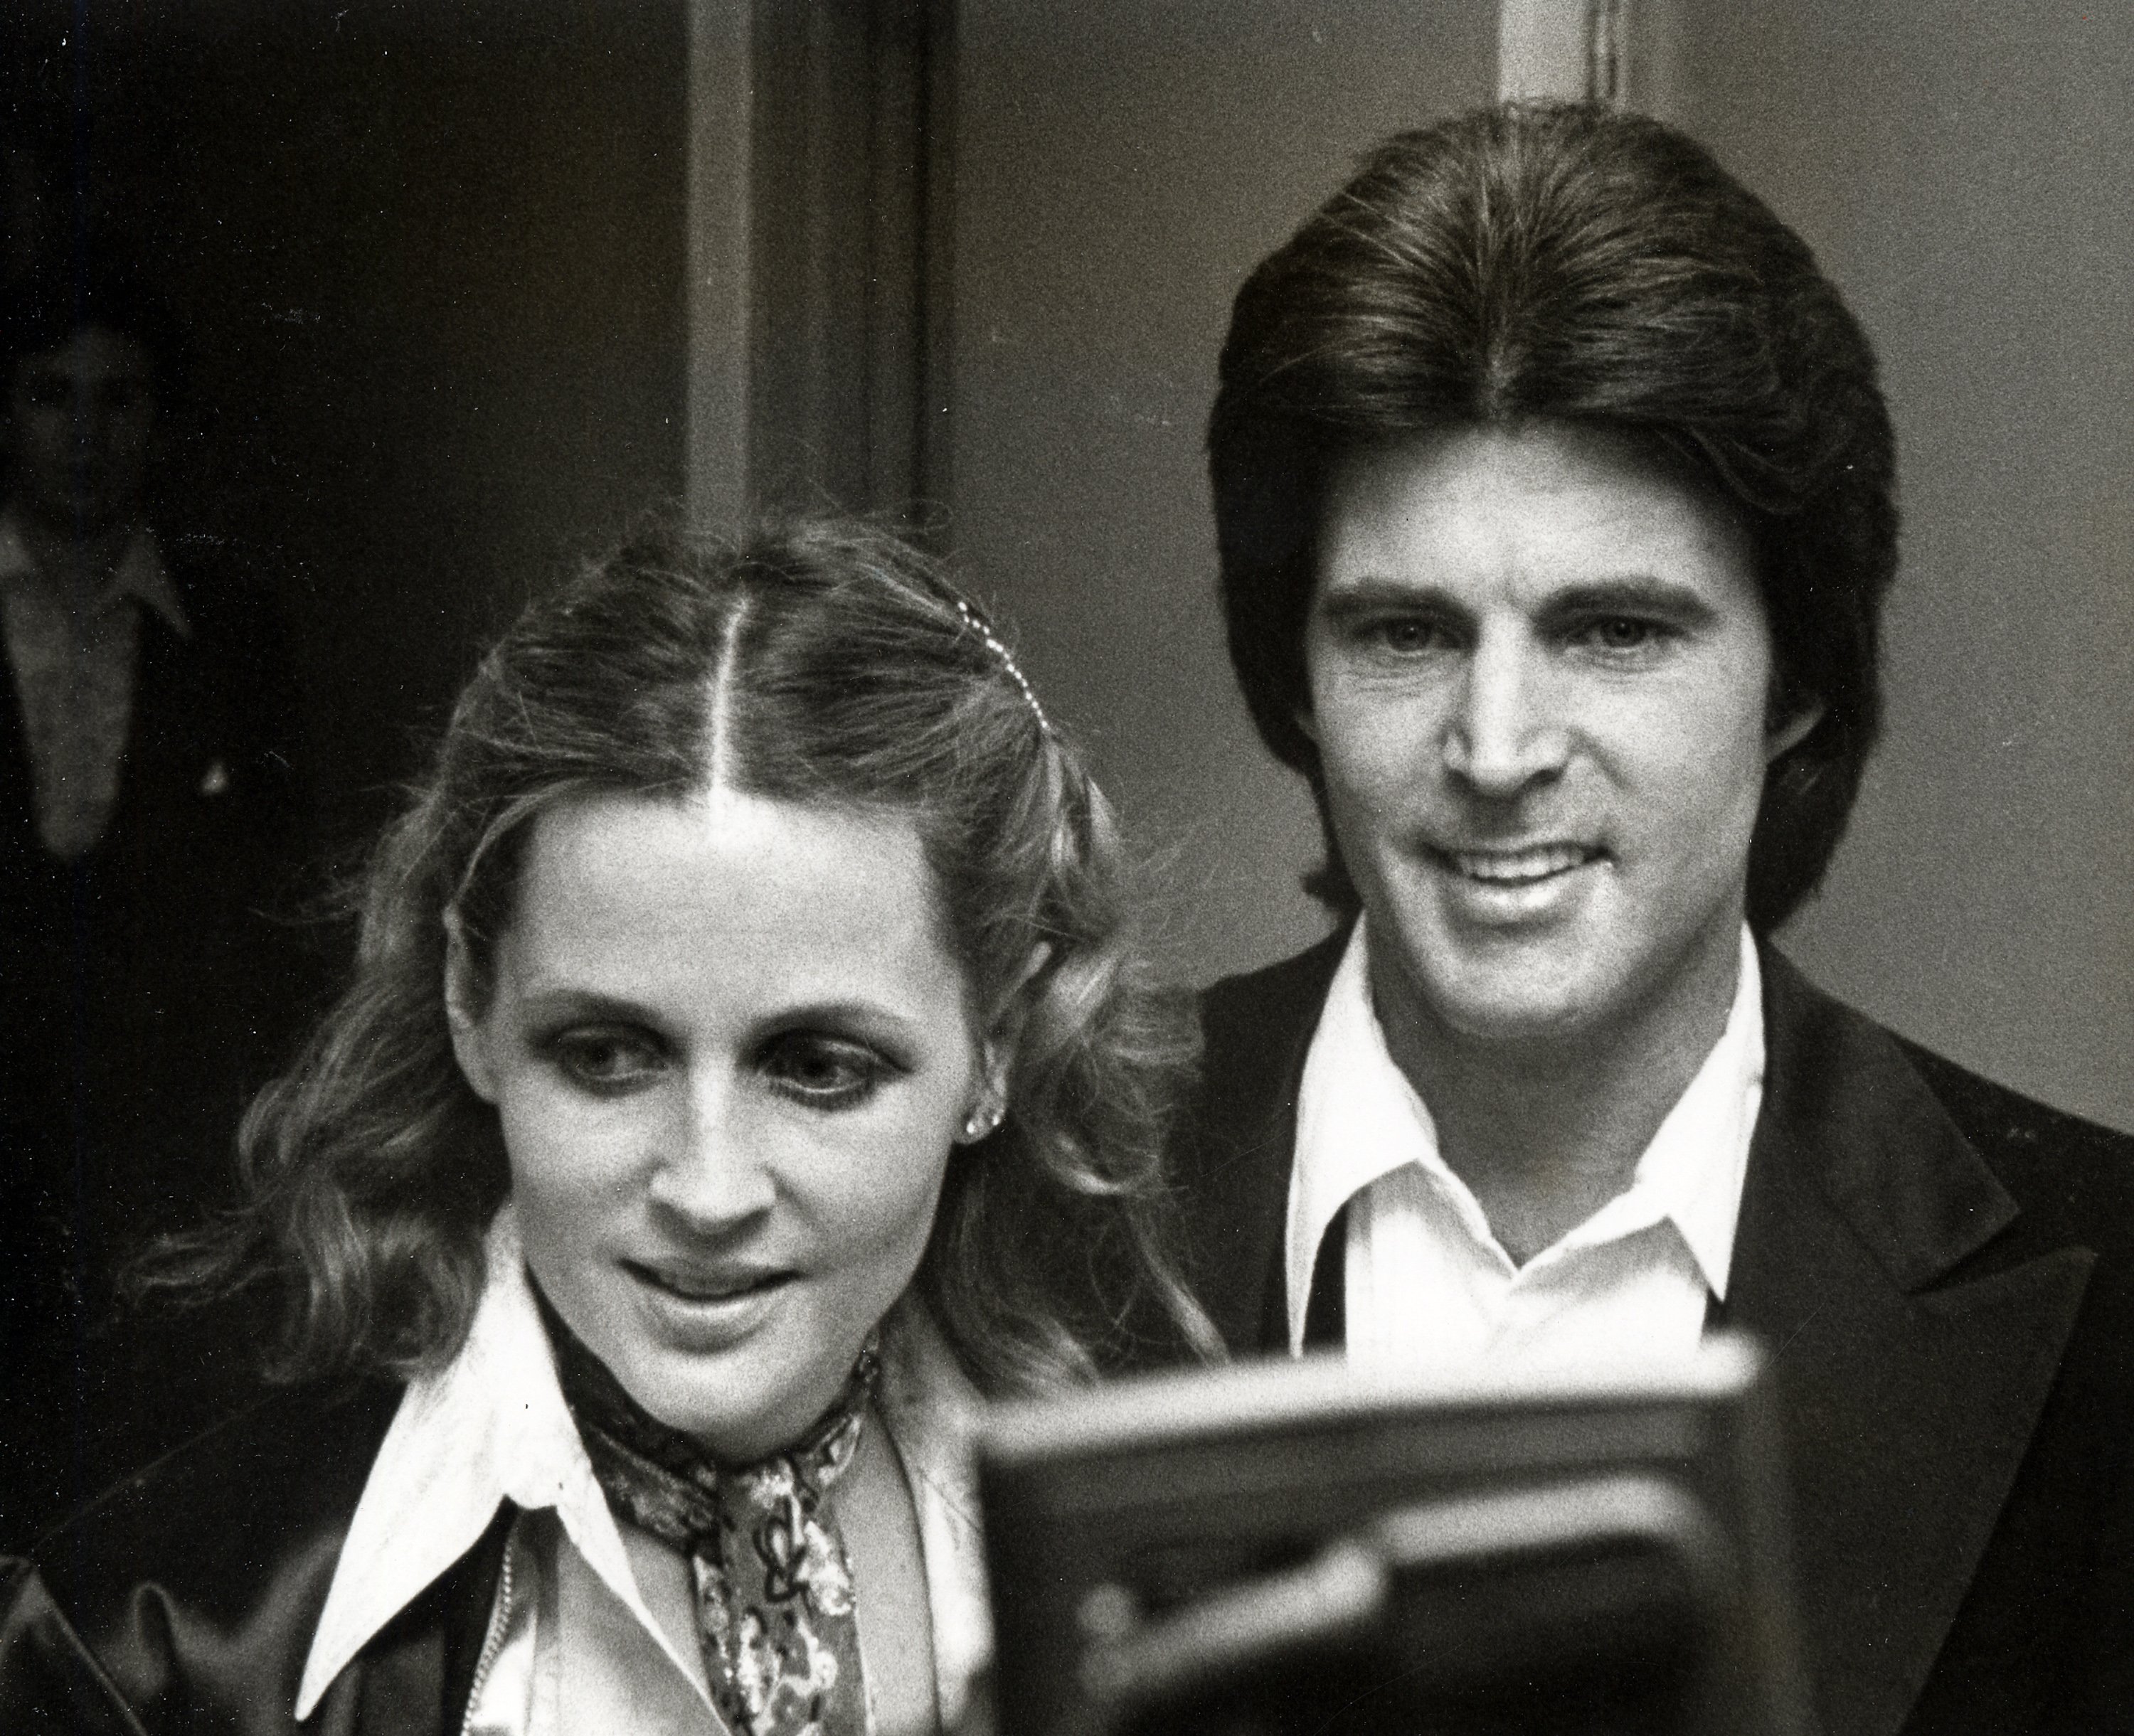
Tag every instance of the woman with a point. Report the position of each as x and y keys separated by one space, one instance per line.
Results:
x=743 y=1063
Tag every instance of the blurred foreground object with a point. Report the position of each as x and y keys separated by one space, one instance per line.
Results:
x=1286 y=1548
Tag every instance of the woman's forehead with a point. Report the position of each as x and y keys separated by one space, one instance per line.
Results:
x=734 y=892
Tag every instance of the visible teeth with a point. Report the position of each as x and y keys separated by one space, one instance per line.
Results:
x=1510 y=867
x=691 y=1289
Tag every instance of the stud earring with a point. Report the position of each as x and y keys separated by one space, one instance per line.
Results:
x=983 y=1119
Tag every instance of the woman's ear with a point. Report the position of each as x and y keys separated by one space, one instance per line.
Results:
x=997 y=1046
x=1789 y=732
x=470 y=1035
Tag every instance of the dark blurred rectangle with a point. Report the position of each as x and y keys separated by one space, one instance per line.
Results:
x=1284 y=1548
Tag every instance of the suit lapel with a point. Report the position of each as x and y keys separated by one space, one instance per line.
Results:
x=1912 y=1372
x=18 y=789
x=1257 y=1031
x=172 y=738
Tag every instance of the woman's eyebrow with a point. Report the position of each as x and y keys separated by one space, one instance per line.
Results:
x=546 y=999
x=856 y=1015
x=539 y=996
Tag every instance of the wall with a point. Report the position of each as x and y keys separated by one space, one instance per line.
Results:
x=1119 y=167
x=432 y=258
x=1962 y=173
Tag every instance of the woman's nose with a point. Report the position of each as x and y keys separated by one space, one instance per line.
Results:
x=710 y=1167
x=1504 y=731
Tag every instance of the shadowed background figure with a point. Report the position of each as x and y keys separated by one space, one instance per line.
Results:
x=151 y=814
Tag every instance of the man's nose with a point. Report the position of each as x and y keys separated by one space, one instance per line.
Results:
x=1504 y=731
x=710 y=1168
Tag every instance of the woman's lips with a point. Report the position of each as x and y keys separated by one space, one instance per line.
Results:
x=695 y=1284
x=707 y=1313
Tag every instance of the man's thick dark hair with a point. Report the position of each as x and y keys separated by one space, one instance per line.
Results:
x=95 y=285
x=1574 y=264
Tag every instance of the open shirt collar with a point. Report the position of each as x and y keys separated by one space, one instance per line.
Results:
x=490 y=1426
x=1358 y=1118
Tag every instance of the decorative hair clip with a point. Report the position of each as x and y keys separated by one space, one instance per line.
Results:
x=977 y=624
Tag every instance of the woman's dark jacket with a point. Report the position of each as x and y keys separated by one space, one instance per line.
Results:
x=184 y=1600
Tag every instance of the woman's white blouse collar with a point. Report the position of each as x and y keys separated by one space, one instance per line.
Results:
x=491 y=1426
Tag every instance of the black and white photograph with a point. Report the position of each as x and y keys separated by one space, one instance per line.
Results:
x=1066 y=867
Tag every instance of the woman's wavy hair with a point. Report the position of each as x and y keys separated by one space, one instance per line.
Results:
x=839 y=666
x=1533 y=262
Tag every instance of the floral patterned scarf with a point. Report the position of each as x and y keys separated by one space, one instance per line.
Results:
x=774 y=1590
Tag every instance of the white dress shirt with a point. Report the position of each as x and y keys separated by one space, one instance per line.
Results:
x=72 y=659
x=572 y=1646
x=1427 y=1286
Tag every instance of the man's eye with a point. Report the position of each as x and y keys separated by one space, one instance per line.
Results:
x=828 y=1073
x=1621 y=633
x=1405 y=636
x=605 y=1061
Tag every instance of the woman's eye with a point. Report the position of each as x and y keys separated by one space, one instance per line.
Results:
x=605 y=1061
x=827 y=1071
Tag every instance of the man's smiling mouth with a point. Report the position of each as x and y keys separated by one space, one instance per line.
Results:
x=1512 y=868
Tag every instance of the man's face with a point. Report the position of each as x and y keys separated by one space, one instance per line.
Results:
x=79 y=420
x=1538 y=669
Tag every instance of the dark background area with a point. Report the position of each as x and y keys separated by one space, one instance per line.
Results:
x=431 y=261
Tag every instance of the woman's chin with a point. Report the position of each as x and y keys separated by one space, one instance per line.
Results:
x=710 y=1322
x=740 y=1398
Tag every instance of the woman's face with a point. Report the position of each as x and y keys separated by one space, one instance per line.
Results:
x=730 y=1051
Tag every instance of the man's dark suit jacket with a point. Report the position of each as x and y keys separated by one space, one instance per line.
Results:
x=145 y=989
x=1943 y=1272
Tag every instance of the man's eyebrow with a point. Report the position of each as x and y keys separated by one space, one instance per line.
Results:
x=1632 y=594
x=1624 y=594
x=1370 y=594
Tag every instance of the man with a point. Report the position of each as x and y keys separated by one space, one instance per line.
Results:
x=1553 y=489
x=148 y=815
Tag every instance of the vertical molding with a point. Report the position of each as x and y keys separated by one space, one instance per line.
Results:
x=1607 y=49
x=1541 y=49
x=893 y=292
x=910 y=206
x=720 y=180
x=818 y=255
x=933 y=430
x=1567 y=51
